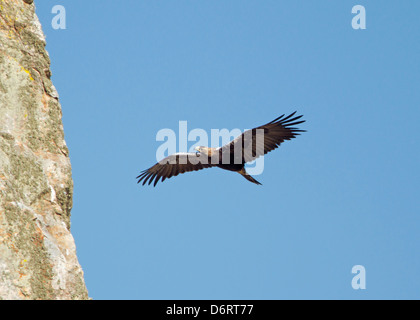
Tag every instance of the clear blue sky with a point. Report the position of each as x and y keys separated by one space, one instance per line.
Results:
x=344 y=193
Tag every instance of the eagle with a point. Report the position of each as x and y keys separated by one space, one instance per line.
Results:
x=232 y=156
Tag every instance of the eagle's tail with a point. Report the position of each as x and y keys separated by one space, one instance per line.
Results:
x=248 y=177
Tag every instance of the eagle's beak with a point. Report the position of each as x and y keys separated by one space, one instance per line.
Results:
x=197 y=149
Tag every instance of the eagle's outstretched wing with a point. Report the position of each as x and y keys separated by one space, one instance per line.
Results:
x=263 y=139
x=173 y=165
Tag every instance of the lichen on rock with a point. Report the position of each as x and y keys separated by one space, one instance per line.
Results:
x=37 y=251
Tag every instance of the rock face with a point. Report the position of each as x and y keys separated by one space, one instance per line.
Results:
x=37 y=251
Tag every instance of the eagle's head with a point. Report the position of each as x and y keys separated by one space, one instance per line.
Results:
x=203 y=150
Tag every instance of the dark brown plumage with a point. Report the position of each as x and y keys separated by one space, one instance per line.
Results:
x=247 y=146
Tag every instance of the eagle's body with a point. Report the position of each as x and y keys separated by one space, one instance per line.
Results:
x=232 y=157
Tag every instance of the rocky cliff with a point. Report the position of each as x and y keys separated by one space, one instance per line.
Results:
x=37 y=251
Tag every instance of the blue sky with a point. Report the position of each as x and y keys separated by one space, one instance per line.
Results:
x=344 y=193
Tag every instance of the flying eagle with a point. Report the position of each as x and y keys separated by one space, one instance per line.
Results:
x=245 y=148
